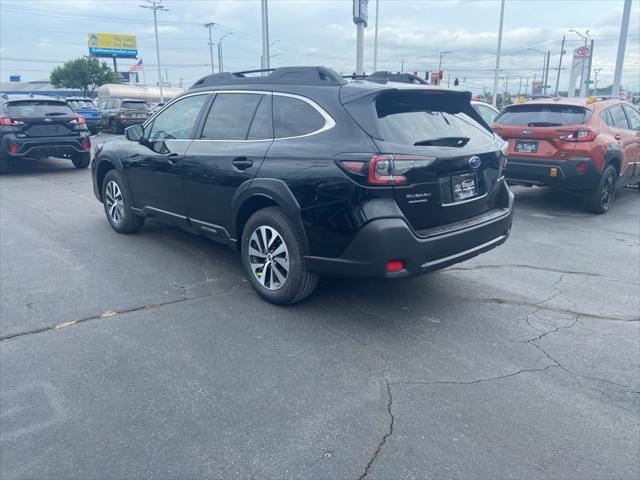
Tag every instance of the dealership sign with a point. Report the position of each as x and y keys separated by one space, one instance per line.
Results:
x=112 y=45
x=360 y=11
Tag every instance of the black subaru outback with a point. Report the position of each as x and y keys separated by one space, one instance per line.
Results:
x=35 y=126
x=307 y=174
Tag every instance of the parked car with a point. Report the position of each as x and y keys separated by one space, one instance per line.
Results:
x=307 y=174
x=34 y=126
x=486 y=111
x=88 y=109
x=591 y=146
x=119 y=113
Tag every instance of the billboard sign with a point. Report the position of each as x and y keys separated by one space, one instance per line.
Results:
x=112 y=45
x=360 y=11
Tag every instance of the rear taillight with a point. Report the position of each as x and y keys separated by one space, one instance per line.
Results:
x=86 y=144
x=391 y=169
x=78 y=121
x=580 y=135
x=10 y=121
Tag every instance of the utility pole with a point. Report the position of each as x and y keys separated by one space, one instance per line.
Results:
x=442 y=55
x=622 y=44
x=220 y=58
x=526 y=86
x=560 y=66
x=595 y=80
x=520 y=87
x=498 y=52
x=155 y=5
x=265 y=35
x=402 y=67
x=210 y=26
x=546 y=72
x=375 y=39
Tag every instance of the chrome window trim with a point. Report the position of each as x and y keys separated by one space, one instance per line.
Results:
x=329 y=122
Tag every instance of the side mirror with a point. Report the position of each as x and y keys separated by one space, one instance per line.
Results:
x=134 y=133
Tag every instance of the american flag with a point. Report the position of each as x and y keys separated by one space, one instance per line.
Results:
x=136 y=67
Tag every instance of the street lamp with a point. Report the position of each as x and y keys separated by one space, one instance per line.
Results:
x=544 y=68
x=155 y=6
x=442 y=55
x=586 y=38
x=595 y=80
x=220 y=62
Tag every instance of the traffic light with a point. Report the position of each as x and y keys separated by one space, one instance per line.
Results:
x=456 y=82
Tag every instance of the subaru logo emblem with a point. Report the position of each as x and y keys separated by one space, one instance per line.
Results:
x=475 y=162
x=526 y=132
x=47 y=119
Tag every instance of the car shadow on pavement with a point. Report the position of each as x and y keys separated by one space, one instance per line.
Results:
x=49 y=165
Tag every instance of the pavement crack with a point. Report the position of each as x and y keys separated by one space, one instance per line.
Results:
x=388 y=432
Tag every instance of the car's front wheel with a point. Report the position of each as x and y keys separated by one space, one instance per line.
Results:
x=117 y=204
x=273 y=257
x=600 y=199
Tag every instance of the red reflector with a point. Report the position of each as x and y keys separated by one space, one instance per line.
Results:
x=13 y=148
x=582 y=167
x=395 y=266
x=86 y=144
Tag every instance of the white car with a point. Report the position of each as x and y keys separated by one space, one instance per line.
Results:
x=486 y=111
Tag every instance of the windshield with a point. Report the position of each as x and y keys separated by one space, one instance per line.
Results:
x=78 y=104
x=38 y=108
x=135 y=105
x=543 y=115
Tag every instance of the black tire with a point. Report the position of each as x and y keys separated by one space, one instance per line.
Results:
x=298 y=282
x=126 y=221
x=4 y=165
x=81 y=160
x=600 y=199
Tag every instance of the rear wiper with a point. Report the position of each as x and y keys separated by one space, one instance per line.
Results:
x=54 y=114
x=444 y=142
x=544 y=124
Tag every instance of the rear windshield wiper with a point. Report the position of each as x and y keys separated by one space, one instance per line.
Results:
x=444 y=142
x=544 y=124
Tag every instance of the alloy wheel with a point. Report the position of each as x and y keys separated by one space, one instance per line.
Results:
x=115 y=202
x=268 y=257
x=608 y=190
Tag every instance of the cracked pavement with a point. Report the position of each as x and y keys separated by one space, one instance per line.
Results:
x=150 y=355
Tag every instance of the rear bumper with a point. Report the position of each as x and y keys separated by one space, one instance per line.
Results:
x=525 y=171
x=43 y=146
x=392 y=239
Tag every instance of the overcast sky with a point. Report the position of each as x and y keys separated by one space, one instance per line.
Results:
x=36 y=35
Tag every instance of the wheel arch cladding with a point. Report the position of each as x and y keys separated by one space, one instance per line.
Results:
x=259 y=193
x=103 y=168
x=613 y=156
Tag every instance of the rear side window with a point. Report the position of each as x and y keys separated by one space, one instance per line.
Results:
x=135 y=105
x=618 y=117
x=543 y=115
x=293 y=117
x=230 y=116
x=262 y=127
x=38 y=108
x=634 y=117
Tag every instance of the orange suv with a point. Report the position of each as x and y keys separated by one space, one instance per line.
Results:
x=590 y=145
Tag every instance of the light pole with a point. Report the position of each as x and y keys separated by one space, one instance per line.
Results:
x=498 y=52
x=375 y=39
x=595 y=80
x=155 y=5
x=622 y=44
x=544 y=67
x=265 y=35
x=210 y=26
x=560 y=65
x=586 y=38
x=220 y=60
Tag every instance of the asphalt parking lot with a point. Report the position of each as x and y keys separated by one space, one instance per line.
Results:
x=150 y=356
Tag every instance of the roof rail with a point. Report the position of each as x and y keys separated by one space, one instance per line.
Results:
x=320 y=76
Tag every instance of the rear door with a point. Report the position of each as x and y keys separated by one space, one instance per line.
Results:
x=626 y=138
x=633 y=151
x=43 y=118
x=229 y=150
x=533 y=130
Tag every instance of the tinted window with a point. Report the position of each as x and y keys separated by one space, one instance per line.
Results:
x=178 y=120
x=618 y=116
x=135 y=105
x=261 y=127
x=293 y=117
x=634 y=117
x=543 y=115
x=38 y=108
x=230 y=116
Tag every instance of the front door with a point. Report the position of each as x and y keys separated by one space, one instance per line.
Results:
x=632 y=153
x=628 y=141
x=234 y=140
x=154 y=168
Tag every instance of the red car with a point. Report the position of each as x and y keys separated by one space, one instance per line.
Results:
x=590 y=145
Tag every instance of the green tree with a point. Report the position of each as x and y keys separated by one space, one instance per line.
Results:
x=87 y=74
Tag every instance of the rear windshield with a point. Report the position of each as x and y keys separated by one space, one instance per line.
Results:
x=420 y=122
x=78 y=104
x=38 y=108
x=135 y=105
x=541 y=115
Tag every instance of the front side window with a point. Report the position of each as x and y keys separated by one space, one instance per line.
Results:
x=293 y=117
x=618 y=117
x=177 y=121
x=231 y=116
x=634 y=117
x=486 y=113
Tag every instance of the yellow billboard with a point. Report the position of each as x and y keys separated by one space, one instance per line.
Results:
x=112 y=45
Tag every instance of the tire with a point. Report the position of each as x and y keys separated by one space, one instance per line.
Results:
x=121 y=218
x=81 y=160
x=114 y=126
x=278 y=286
x=4 y=165
x=600 y=199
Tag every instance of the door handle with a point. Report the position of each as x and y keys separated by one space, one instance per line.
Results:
x=173 y=158
x=242 y=163
x=617 y=136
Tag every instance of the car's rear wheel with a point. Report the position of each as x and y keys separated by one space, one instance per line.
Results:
x=117 y=204
x=600 y=199
x=273 y=257
x=81 y=160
